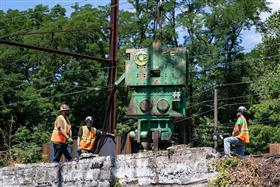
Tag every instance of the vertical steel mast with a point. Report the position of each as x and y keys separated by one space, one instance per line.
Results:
x=113 y=62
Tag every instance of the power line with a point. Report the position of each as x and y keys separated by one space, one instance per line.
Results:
x=78 y=2
x=224 y=53
x=234 y=63
x=46 y=88
x=205 y=112
x=59 y=95
x=53 y=76
x=49 y=32
x=234 y=83
x=237 y=97
x=74 y=3
x=202 y=102
x=234 y=104
x=258 y=121
x=207 y=90
x=195 y=115
x=219 y=85
x=98 y=88
x=228 y=98
x=27 y=16
x=200 y=93
x=264 y=122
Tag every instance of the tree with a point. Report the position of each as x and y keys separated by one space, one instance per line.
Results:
x=266 y=73
x=34 y=84
x=214 y=37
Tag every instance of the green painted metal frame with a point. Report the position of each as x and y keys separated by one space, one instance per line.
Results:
x=154 y=75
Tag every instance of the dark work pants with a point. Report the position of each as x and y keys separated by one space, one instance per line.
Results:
x=60 y=149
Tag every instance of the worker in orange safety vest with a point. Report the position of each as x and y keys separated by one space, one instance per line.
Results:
x=87 y=136
x=61 y=135
x=240 y=134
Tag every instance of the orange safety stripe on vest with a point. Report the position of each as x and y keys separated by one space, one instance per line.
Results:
x=244 y=133
x=57 y=135
x=88 y=138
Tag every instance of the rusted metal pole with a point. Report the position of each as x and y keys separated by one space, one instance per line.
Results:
x=50 y=50
x=113 y=63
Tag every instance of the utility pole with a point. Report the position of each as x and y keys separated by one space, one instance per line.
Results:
x=190 y=121
x=113 y=64
x=12 y=122
x=215 y=137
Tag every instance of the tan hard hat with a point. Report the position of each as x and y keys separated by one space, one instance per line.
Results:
x=64 y=107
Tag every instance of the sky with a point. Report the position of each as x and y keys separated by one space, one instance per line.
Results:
x=25 y=4
x=250 y=38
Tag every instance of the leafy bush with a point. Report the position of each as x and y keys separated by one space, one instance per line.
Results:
x=27 y=144
x=203 y=133
x=4 y=161
x=115 y=183
x=223 y=167
x=261 y=136
x=26 y=153
x=125 y=127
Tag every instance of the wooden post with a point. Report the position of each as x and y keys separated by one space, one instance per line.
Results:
x=155 y=137
x=274 y=149
x=215 y=137
x=46 y=152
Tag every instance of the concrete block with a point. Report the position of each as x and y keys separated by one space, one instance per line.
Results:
x=181 y=166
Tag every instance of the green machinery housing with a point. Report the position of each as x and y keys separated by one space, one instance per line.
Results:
x=157 y=78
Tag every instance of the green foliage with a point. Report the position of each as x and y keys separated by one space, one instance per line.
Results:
x=27 y=144
x=265 y=76
x=115 y=183
x=213 y=38
x=4 y=159
x=261 y=136
x=34 y=84
x=268 y=111
x=124 y=127
x=2 y=162
x=203 y=132
x=26 y=153
x=223 y=167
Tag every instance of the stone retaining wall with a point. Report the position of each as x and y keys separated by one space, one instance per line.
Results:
x=180 y=166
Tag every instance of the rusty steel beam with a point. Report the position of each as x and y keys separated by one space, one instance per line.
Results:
x=50 y=50
x=113 y=63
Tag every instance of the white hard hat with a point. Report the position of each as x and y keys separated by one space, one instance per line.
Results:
x=64 y=107
x=241 y=109
x=89 y=119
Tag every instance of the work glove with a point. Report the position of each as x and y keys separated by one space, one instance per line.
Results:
x=69 y=140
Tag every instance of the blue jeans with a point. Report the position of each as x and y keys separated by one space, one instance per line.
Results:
x=60 y=149
x=240 y=147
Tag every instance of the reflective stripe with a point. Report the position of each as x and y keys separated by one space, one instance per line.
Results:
x=57 y=136
x=244 y=133
x=87 y=138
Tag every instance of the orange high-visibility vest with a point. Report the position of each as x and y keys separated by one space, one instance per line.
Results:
x=244 y=133
x=57 y=136
x=88 y=138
